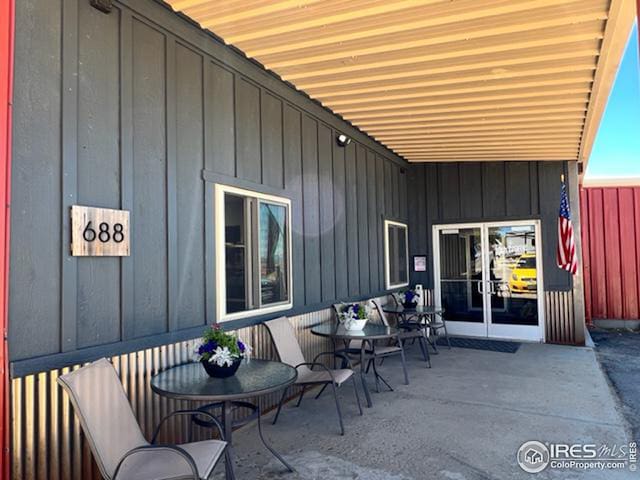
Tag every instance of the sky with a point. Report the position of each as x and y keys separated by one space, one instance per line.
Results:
x=616 y=150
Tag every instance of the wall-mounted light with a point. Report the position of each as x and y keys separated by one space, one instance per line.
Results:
x=104 y=6
x=343 y=140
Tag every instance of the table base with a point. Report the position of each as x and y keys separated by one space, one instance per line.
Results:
x=229 y=424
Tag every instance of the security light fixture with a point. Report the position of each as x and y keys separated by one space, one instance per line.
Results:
x=343 y=140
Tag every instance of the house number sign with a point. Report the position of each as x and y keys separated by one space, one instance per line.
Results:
x=99 y=232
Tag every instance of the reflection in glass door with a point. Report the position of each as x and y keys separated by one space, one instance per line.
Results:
x=513 y=275
x=487 y=279
x=461 y=279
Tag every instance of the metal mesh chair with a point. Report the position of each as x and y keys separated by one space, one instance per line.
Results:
x=408 y=333
x=115 y=438
x=289 y=351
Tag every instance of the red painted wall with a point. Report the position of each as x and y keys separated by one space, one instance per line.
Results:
x=6 y=81
x=610 y=219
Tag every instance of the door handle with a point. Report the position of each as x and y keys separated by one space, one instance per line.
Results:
x=492 y=290
x=480 y=290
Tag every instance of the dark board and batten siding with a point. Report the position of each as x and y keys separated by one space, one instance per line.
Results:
x=140 y=110
x=441 y=193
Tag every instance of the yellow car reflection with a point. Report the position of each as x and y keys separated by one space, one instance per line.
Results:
x=524 y=275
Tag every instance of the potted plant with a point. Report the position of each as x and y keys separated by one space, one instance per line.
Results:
x=409 y=298
x=354 y=316
x=220 y=352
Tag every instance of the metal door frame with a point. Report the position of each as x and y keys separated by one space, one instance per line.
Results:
x=487 y=328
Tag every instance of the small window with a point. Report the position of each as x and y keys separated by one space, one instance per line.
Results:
x=396 y=254
x=253 y=240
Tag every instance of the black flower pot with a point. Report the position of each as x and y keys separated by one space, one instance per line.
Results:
x=410 y=304
x=214 y=370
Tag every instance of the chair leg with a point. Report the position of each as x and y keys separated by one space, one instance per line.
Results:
x=355 y=390
x=369 y=365
x=335 y=396
x=435 y=341
x=444 y=325
x=425 y=351
x=404 y=367
x=320 y=392
x=344 y=363
x=284 y=394
x=304 y=389
x=228 y=464
x=376 y=376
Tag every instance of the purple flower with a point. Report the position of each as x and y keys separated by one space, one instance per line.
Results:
x=409 y=296
x=241 y=346
x=207 y=347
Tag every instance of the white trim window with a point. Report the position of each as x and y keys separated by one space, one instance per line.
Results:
x=253 y=253
x=396 y=254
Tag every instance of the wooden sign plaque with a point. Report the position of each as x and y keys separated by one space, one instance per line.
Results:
x=101 y=232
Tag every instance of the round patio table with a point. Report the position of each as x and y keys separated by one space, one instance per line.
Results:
x=420 y=311
x=370 y=332
x=253 y=378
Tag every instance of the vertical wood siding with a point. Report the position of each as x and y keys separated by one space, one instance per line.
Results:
x=611 y=252
x=492 y=191
x=559 y=317
x=141 y=110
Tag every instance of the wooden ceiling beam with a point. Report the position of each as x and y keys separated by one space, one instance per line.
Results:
x=498 y=65
x=363 y=86
x=243 y=12
x=543 y=18
x=270 y=41
x=584 y=88
x=464 y=51
x=532 y=126
x=487 y=135
x=490 y=123
x=488 y=149
x=521 y=140
x=482 y=116
x=490 y=158
x=575 y=99
x=309 y=19
x=487 y=87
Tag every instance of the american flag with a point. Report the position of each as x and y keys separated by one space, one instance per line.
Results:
x=566 y=255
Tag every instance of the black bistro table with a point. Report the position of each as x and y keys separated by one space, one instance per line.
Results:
x=370 y=333
x=253 y=378
x=425 y=316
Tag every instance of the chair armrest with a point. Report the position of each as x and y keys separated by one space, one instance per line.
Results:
x=172 y=449
x=188 y=412
x=335 y=354
x=314 y=364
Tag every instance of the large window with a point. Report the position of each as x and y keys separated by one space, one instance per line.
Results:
x=396 y=254
x=253 y=253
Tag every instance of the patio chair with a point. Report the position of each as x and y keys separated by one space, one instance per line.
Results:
x=289 y=351
x=115 y=438
x=376 y=350
x=408 y=334
x=413 y=322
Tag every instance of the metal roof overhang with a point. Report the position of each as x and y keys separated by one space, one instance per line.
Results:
x=442 y=80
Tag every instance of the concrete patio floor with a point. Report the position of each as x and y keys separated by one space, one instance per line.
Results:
x=464 y=419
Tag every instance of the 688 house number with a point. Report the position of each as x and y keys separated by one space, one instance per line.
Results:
x=99 y=231
x=90 y=235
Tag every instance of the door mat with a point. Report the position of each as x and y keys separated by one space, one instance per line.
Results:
x=481 y=344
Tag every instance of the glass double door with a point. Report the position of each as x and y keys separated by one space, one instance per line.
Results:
x=488 y=279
